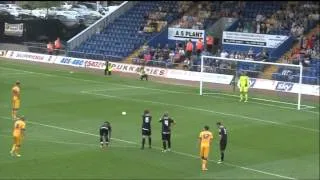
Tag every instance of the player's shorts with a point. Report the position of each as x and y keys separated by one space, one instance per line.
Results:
x=17 y=140
x=104 y=139
x=166 y=137
x=15 y=104
x=223 y=145
x=244 y=89
x=204 y=152
x=146 y=132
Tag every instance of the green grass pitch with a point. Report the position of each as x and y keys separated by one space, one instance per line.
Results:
x=64 y=112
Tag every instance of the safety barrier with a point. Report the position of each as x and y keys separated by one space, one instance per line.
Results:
x=99 y=25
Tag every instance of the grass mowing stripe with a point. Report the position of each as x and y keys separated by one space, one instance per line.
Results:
x=169 y=91
x=70 y=143
x=181 y=106
x=176 y=152
x=203 y=110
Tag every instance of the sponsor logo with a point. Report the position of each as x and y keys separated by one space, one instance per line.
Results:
x=72 y=61
x=252 y=82
x=135 y=69
x=284 y=86
x=94 y=64
x=30 y=56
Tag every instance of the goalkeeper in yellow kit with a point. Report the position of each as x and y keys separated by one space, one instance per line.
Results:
x=243 y=85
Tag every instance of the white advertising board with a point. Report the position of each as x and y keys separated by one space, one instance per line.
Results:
x=253 y=39
x=13 y=29
x=185 y=34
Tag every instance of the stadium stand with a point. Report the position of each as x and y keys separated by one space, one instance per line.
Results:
x=130 y=30
x=308 y=52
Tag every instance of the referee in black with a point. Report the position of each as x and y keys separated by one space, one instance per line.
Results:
x=105 y=134
x=223 y=140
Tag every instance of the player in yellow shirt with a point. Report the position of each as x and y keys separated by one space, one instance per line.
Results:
x=18 y=135
x=243 y=85
x=15 y=99
x=205 y=139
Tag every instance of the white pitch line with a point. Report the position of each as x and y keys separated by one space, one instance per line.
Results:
x=169 y=91
x=200 y=109
x=176 y=152
x=71 y=143
x=280 y=102
x=17 y=73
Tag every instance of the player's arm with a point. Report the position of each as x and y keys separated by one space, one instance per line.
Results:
x=220 y=134
x=247 y=82
x=173 y=122
x=109 y=134
x=200 y=139
x=238 y=83
x=23 y=129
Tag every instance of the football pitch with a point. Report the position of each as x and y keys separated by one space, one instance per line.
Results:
x=64 y=111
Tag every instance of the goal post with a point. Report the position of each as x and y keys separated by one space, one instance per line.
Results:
x=257 y=72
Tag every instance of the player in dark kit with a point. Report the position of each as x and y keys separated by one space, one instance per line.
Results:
x=146 y=128
x=105 y=134
x=223 y=140
x=166 y=131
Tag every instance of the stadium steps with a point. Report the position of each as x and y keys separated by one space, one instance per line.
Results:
x=273 y=69
x=133 y=55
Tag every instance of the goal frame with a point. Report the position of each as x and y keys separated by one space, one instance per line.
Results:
x=300 y=66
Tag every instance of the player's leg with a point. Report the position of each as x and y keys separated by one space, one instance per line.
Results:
x=149 y=138
x=169 y=141
x=146 y=77
x=222 y=149
x=241 y=94
x=205 y=158
x=18 y=145
x=13 y=149
x=101 y=141
x=164 y=143
x=107 y=139
x=245 y=94
x=143 y=139
x=14 y=110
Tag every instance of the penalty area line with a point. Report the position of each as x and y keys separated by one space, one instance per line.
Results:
x=176 y=152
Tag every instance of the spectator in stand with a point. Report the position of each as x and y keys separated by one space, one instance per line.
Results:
x=189 y=49
x=224 y=54
x=147 y=58
x=199 y=46
x=209 y=41
x=186 y=64
x=250 y=53
x=50 y=47
x=57 y=46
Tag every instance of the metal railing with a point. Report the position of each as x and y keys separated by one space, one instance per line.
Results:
x=99 y=25
x=95 y=56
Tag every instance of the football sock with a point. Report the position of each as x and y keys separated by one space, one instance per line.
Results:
x=169 y=143
x=14 y=116
x=241 y=96
x=149 y=141
x=13 y=148
x=17 y=149
x=246 y=96
x=222 y=156
x=204 y=163
x=143 y=142
x=164 y=145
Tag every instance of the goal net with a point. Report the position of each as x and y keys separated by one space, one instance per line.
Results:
x=272 y=84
